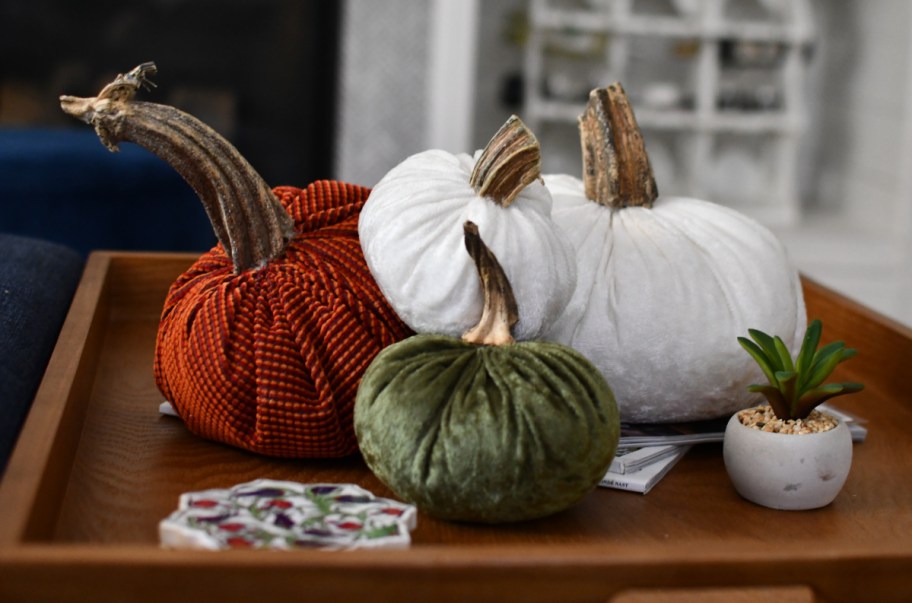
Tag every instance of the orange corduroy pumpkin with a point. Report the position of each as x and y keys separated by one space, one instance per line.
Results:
x=263 y=341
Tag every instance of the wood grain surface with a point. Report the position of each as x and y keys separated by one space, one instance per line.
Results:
x=97 y=468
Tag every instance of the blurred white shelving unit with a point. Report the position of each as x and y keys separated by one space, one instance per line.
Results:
x=717 y=87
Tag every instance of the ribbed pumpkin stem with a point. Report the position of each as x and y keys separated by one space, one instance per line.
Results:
x=616 y=170
x=500 y=312
x=247 y=218
x=510 y=162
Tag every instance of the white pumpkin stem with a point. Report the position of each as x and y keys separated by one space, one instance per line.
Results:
x=510 y=162
x=500 y=311
x=247 y=218
x=616 y=170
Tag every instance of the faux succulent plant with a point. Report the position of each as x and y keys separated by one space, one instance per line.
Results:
x=797 y=386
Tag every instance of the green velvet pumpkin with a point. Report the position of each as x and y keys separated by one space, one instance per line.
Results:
x=487 y=433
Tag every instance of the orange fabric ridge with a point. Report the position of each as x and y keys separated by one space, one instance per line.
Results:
x=270 y=360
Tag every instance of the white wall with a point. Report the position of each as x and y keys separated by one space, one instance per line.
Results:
x=382 y=87
x=407 y=82
x=856 y=234
x=855 y=169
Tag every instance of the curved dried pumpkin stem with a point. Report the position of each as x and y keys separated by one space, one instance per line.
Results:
x=247 y=218
x=510 y=162
x=500 y=312
x=616 y=170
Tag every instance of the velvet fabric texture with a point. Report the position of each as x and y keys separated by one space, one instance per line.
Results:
x=270 y=359
x=662 y=295
x=37 y=282
x=412 y=233
x=486 y=433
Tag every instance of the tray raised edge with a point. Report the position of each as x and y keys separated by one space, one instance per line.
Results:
x=37 y=475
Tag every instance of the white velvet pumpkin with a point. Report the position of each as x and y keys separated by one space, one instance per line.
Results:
x=411 y=231
x=665 y=285
x=662 y=295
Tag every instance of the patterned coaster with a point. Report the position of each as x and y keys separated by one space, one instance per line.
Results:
x=269 y=514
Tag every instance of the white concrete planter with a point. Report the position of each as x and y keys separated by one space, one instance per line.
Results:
x=787 y=471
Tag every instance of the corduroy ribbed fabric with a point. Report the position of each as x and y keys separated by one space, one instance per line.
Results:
x=269 y=360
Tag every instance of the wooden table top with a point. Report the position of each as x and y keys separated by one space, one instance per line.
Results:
x=97 y=468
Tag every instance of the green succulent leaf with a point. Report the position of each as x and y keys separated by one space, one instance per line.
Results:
x=768 y=345
x=785 y=356
x=809 y=346
x=795 y=386
x=825 y=352
x=788 y=385
x=825 y=362
x=812 y=398
x=819 y=394
x=768 y=368
x=850 y=387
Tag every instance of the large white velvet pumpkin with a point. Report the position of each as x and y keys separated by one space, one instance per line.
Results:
x=663 y=291
x=411 y=231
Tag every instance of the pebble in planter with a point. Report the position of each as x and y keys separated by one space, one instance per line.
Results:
x=786 y=454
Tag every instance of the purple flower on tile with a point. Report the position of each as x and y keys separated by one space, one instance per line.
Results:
x=350 y=498
x=213 y=518
x=324 y=489
x=264 y=492
x=283 y=521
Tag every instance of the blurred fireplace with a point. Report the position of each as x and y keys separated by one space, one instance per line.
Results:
x=262 y=72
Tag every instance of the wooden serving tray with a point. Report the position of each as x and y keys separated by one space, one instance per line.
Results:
x=96 y=468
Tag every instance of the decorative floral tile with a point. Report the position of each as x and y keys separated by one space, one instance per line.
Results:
x=269 y=514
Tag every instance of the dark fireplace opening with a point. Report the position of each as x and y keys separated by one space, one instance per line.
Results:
x=261 y=72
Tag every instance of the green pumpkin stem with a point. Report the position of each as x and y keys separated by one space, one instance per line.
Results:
x=510 y=162
x=616 y=170
x=247 y=218
x=500 y=312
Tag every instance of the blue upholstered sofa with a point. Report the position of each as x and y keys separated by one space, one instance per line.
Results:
x=63 y=185
x=37 y=282
x=62 y=195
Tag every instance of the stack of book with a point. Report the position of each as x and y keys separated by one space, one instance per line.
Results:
x=639 y=468
x=646 y=453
